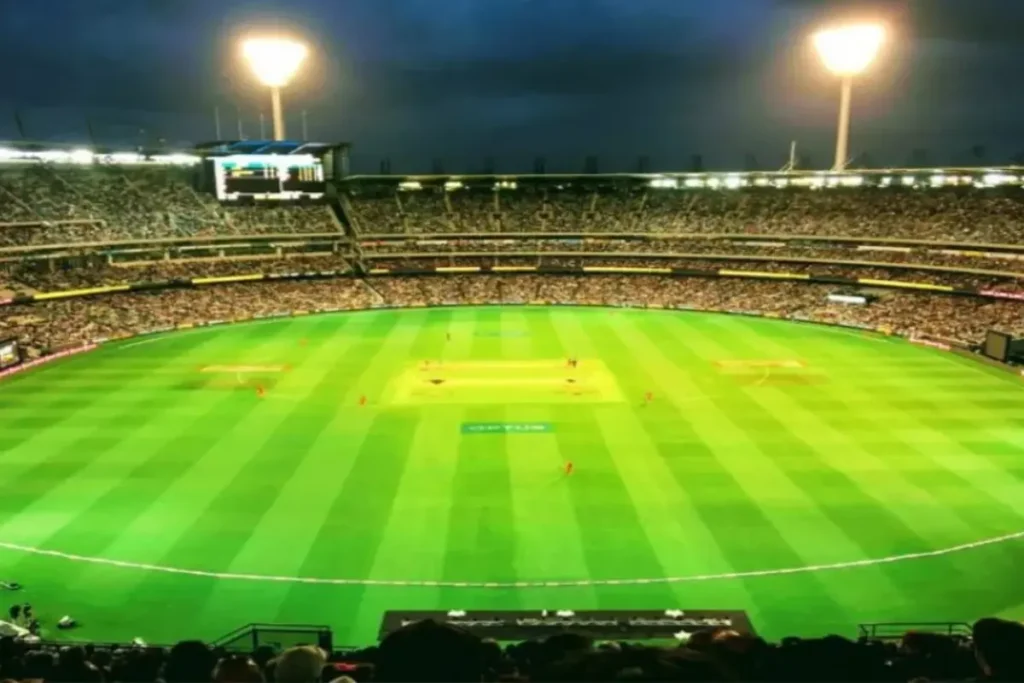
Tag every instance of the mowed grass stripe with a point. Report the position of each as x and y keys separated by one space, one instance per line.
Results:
x=957 y=463
x=321 y=445
x=830 y=447
x=228 y=502
x=57 y=470
x=481 y=537
x=800 y=409
x=606 y=515
x=125 y=478
x=296 y=413
x=362 y=503
x=669 y=468
x=968 y=422
x=953 y=466
x=642 y=455
x=739 y=497
x=976 y=491
x=868 y=591
x=412 y=546
x=549 y=544
x=126 y=539
x=874 y=505
x=680 y=539
x=28 y=440
x=740 y=486
x=415 y=544
x=988 y=497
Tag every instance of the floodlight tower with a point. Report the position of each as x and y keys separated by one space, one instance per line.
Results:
x=847 y=51
x=274 y=61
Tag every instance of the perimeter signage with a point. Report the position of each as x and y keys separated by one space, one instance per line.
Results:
x=598 y=624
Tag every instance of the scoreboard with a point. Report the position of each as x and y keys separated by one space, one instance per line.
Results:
x=272 y=177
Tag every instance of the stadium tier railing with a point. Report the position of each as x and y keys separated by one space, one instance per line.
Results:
x=897 y=630
x=665 y=256
x=279 y=637
x=518 y=269
x=966 y=247
x=212 y=240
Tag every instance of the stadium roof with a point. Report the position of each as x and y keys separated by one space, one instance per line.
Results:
x=907 y=177
x=226 y=147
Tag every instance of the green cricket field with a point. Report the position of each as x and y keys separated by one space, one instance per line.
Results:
x=324 y=469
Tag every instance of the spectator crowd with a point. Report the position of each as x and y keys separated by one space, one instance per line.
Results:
x=428 y=651
x=26 y=278
x=52 y=204
x=701 y=247
x=55 y=324
x=944 y=214
x=44 y=204
x=702 y=229
x=30 y=277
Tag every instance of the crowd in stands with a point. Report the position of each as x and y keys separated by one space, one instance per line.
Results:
x=956 y=215
x=986 y=274
x=706 y=247
x=50 y=204
x=51 y=325
x=428 y=651
x=959 y=281
x=61 y=203
x=37 y=277
x=74 y=322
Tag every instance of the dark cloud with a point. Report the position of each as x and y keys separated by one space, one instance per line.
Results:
x=615 y=77
x=967 y=21
x=977 y=22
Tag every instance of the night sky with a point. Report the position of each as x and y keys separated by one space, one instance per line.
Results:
x=457 y=82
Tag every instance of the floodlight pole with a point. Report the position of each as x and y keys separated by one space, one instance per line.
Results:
x=277 y=113
x=843 y=134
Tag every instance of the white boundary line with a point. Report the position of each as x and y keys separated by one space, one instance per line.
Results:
x=163 y=335
x=140 y=342
x=1017 y=535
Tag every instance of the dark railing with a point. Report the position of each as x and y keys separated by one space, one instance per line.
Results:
x=896 y=630
x=277 y=636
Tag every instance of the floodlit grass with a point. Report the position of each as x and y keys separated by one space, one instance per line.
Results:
x=767 y=446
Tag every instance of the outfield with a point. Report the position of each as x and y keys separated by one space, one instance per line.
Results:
x=815 y=477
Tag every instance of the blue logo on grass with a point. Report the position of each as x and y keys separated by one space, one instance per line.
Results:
x=506 y=427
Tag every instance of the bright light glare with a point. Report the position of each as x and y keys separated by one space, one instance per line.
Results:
x=274 y=60
x=847 y=51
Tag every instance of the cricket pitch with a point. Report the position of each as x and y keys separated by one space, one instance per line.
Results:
x=483 y=382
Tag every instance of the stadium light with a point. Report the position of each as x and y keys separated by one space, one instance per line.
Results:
x=274 y=61
x=847 y=52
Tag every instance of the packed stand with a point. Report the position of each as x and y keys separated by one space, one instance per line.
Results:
x=952 y=215
x=629 y=248
x=474 y=211
x=51 y=325
x=50 y=204
x=28 y=278
x=982 y=281
x=62 y=323
x=428 y=651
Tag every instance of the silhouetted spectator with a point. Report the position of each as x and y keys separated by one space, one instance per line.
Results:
x=303 y=664
x=430 y=652
x=189 y=661
x=999 y=647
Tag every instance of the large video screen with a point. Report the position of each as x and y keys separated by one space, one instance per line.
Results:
x=997 y=345
x=10 y=354
x=268 y=177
